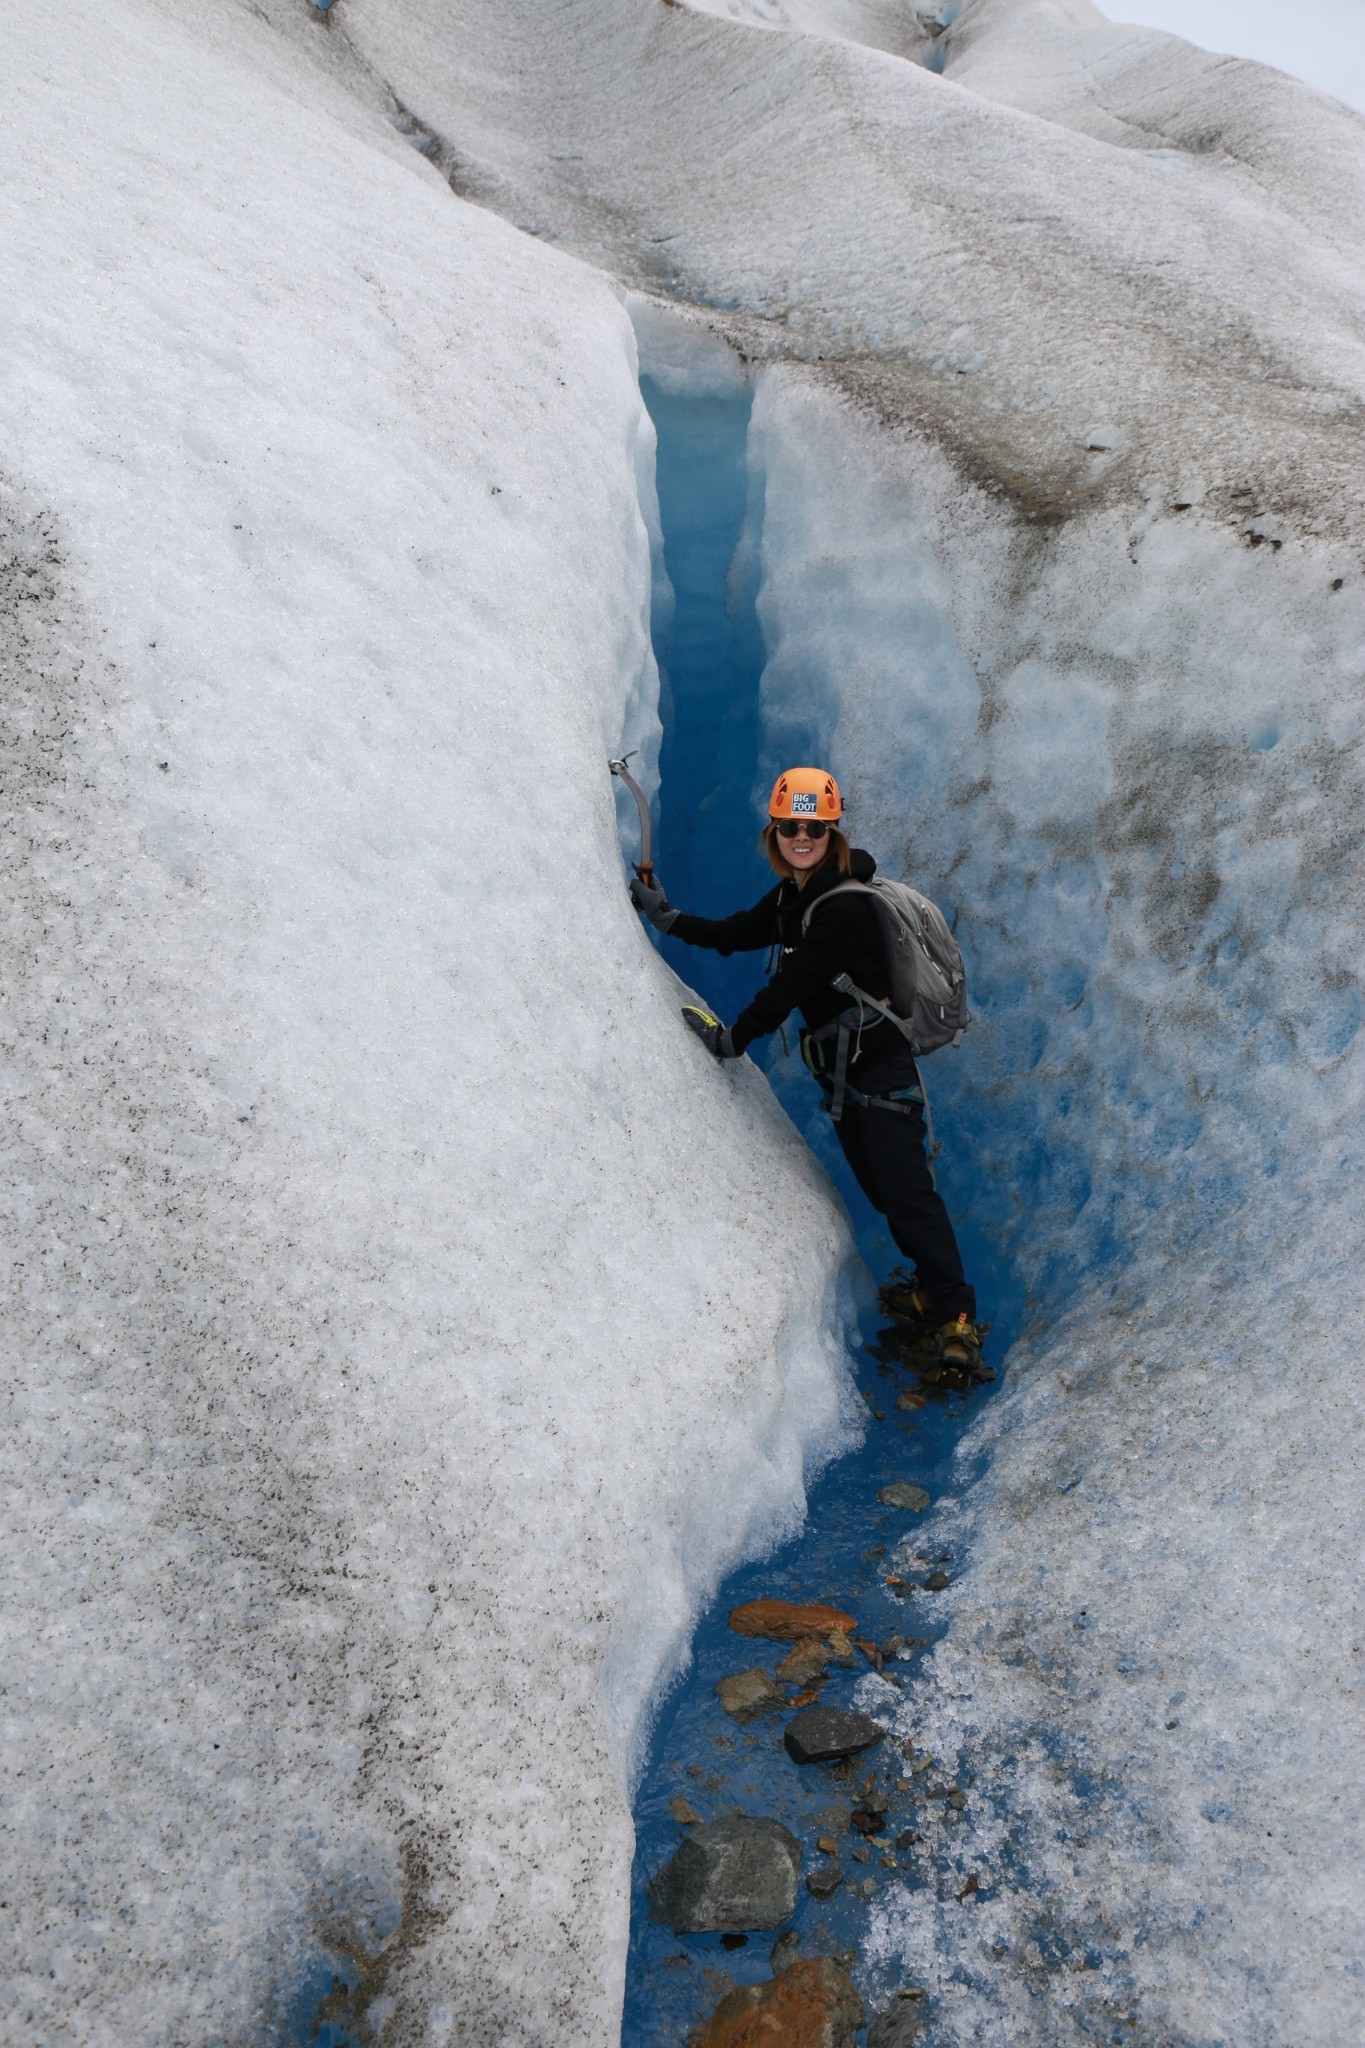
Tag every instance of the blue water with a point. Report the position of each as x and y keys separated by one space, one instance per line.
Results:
x=945 y=18
x=301 y=2021
x=325 y=2005
x=714 y=781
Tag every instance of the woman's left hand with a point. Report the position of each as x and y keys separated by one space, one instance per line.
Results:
x=651 y=902
x=714 y=1035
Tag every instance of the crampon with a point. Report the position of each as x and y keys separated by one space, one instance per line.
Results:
x=943 y=1355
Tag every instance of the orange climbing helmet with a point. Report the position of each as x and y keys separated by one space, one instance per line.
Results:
x=806 y=793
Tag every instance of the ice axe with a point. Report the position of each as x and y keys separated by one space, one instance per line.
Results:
x=644 y=867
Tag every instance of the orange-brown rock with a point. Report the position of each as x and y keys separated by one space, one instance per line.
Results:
x=811 y=2005
x=782 y=1621
x=805 y=1663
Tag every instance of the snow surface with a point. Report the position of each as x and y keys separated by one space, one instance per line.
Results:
x=1152 y=1665
x=1320 y=41
x=1250 y=126
x=889 y=25
x=400 y=1339
x=998 y=282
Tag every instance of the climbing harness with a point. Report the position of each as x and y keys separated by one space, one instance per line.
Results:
x=644 y=867
x=846 y=1030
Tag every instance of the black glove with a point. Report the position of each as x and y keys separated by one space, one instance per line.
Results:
x=649 y=899
x=714 y=1035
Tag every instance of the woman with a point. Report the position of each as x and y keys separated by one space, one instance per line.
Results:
x=879 y=1102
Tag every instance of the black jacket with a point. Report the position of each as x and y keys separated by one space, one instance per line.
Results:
x=843 y=938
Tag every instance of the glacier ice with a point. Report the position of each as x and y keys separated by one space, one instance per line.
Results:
x=1150 y=762
x=350 y=1431
x=362 y=1478
x=890 y=25
x=984 y=276
x=1146 y=824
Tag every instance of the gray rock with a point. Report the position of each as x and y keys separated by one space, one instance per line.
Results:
x=937 y=1582
x=747 y=1694
x=822 y=1733
x=897 y=2025
x=737 y=1874
x=904 y=1495
x=824 y=1882
x=786 y=1950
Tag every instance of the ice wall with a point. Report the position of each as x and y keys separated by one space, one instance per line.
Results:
x=396 y=1342
x=1131 y=748
x=1127 y=755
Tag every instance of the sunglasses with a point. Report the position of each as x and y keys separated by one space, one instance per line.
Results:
x=814 y=828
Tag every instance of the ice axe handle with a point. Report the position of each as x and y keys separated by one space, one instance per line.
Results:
x=644 y=867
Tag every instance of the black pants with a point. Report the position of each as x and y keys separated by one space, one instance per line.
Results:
x=885 y=1148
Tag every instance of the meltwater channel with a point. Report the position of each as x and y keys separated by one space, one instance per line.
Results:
x=715 y=771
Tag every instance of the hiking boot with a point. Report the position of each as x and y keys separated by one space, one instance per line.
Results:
x=906 y=1297
x=960 y=1345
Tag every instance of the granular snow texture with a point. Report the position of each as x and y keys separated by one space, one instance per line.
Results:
x=399 y=1337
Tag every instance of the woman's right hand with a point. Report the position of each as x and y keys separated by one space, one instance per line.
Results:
x=651 y=902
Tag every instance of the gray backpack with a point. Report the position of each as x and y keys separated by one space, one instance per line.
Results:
x=928 y=1003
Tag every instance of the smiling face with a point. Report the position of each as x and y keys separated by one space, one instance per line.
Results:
x=802 y=853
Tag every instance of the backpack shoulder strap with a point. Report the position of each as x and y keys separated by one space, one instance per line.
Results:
x=867 y=1002
x=848 y=888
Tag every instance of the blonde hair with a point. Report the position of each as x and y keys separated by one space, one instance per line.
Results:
x=770 y=844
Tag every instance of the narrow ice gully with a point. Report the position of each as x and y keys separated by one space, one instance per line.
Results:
x=1154 y=1127
x=716 y=765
